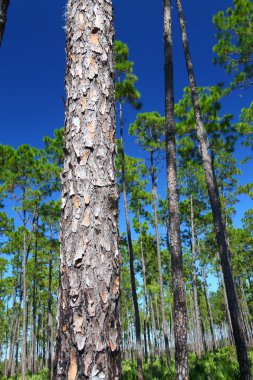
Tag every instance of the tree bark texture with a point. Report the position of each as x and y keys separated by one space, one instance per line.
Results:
x=220 y=230
x=4 y=4
x=88 y=335
x=180 y=315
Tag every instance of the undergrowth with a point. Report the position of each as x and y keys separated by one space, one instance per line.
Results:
x=221 y=365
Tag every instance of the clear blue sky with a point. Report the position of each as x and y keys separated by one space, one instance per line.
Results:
x=32 y=65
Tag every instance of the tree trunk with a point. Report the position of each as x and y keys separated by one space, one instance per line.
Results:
x=49 y=317
x=220 y=230
x=209 y=310
x=24 y=329
x=4 y=4
x=131 y=254
x=180 y=316
x=158 y=249
x=88 y=338
x=34 y=308
x=195 y=289
x=156 y=351
x=146 y=314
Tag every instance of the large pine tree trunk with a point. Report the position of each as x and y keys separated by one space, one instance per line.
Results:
x=158 y=249
x=88 y=335
x=131 y=254
x=220 y=230
x=180 y=316
x=4 y=4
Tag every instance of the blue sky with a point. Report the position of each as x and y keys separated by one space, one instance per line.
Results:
x=32 y=66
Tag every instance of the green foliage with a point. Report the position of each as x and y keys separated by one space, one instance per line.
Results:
x=221 y=365
x=234 y=46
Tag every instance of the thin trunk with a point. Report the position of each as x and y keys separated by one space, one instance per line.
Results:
x=88 y=337
x=131 y=254
x=49 y=316
x=4 y=4
x=246 y=313
x=209 y=310
x=145 y=340
x=220 y=230
x=159 y=326
x=195 y=289
x=180 y=315
x=230 y=329
x=23 y=359
x=34 y=309
x=7 y=342
x=158 y=249
x=146 y=314
x=156 y=351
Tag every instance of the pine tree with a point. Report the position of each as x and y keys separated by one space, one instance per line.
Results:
x=214 y=196
x=88 y=336
x=180 y=316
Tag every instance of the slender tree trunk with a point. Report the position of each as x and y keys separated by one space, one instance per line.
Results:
x=131 y=254
x=4 y=4
x=220 y=230
x=230 y=328
x=180 y=315
x=88 y=338
x=50 y=318
x=159 y=326
x=34 y=309
x=24 y=338
x=158 y=248
x=246 y=313
x=7 y=333
x=146 y=314
x=156 y=351
x=195 y=289
x=209 y=310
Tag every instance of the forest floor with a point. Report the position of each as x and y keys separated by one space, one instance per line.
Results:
x=221 y=365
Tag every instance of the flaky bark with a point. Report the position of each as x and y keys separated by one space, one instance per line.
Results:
x=88 y=328
x=220 y=229
x=4 y=4
x=180 y=316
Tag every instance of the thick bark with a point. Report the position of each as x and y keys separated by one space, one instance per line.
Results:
x=131 y=254
x=158 y=249
x=220 y=230
x=180 y=316
x=198 y=336
x=4 y=4
x=88 y=336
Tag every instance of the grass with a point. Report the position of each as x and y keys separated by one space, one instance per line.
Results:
x=221 y=365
